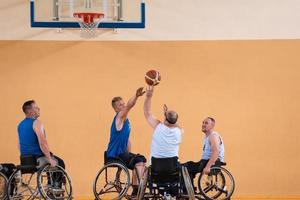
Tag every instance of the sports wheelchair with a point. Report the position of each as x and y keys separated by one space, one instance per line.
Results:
x=6 y=169
x=164 y=179
x=29 y=182
x=113 y=180
x=219 y=184
x=3 y=184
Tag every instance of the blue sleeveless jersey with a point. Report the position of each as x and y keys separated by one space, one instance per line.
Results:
x=29 y=144
x=118 y=139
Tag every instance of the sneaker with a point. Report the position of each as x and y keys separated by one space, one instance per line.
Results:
x=56 y=191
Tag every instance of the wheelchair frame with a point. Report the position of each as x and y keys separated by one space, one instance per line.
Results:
x=117 y=183
x=3 y=185
x=22 y=178
x=216 y=189
x=143 y=182
x=155 y=188
x=216 y=184
x=120 y=187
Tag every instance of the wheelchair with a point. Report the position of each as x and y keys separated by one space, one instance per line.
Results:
x=29 y=182
x=6 y=169
x=3 y=185
x=113 y=180
x=219 y=184
x=164 y=179
x=162 y=175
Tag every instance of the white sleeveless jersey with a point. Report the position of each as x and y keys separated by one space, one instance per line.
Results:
x=165 y=141
x=207 y=148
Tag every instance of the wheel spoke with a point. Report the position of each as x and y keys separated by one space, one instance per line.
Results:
x=208 y=188
x=111 y=182
x=220 y=184
x=222 y=190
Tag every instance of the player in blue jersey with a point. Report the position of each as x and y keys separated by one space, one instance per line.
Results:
x=119 y=143
x=32 y=140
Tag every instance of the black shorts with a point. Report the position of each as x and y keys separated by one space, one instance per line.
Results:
x=197 y=167
x=131 y=159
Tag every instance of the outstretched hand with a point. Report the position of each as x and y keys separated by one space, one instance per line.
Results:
x=149 y=91
x=165 y=108
x=140 y=92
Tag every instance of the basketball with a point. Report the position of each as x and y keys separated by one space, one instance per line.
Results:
x=152 y=77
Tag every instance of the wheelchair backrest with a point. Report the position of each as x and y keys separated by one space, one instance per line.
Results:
x=28 y=160
x=165 y=170
x=105 y=157
x=219 y=163
x=112 y=160
x=28 y=164
x=164 y=165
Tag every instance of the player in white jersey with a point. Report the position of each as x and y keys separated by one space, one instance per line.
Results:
x=166 y=134
x=213 y=149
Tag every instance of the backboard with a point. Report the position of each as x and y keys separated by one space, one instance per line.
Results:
x=59 y=13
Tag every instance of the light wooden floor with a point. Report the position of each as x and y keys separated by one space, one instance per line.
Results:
x=240 y=197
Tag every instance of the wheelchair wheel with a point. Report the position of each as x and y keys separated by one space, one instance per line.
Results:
x=111 y=182
x=143 y=184
x=188 y=183
x=22 y=186
x=217 y=185
x=3 y=185
x=54 y=183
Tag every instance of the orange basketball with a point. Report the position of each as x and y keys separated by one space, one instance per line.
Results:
x=152 y=77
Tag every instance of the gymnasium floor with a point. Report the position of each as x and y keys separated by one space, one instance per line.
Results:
x=236 y=61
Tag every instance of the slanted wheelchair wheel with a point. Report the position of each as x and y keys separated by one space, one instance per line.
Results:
x=143 y=184
x=188 y=183
x=218 y=185
x=111 y=182
x=3 y=186
x=54 y=183
x=22 y=186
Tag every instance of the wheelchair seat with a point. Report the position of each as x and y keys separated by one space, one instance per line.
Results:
x=165 y=170
x=222 y=163
x=46 y=182
x=113 y=179
x=108 y=160
x=218 y=184
x=28 y=164
x=219 y=164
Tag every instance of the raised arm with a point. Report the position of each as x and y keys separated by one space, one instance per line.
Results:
x=124 y=112
x=39 y=131
x=152 y=121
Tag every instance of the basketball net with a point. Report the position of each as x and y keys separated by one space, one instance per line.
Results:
x=88 y=23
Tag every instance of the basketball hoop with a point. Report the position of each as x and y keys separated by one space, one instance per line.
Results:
x=88 y=22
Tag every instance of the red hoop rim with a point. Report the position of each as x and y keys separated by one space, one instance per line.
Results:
x=88 y=17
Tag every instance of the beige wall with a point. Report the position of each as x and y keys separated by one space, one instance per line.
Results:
x=250 y=87
x=175 y=20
